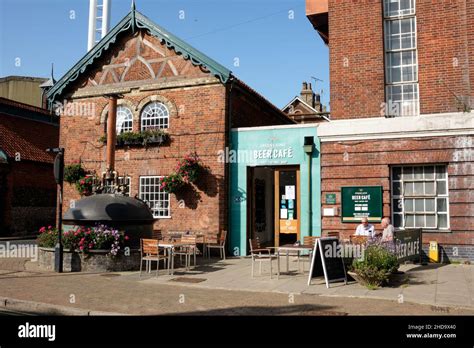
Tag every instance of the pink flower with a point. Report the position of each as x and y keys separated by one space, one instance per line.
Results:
x=42 y=229
x=127 y=238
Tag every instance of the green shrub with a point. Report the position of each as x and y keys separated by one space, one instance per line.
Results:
x=377 y=264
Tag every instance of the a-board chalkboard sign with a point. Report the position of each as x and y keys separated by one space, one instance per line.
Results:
x=327 y=261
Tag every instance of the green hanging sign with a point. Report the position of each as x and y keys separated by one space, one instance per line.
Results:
x=361 y=201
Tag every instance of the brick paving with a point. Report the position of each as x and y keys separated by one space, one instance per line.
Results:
x=227 y=289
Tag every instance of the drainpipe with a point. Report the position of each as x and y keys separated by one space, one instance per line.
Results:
x=111 y=130
x=308 y=148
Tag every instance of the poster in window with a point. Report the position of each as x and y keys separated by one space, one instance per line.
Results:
x=260 y=208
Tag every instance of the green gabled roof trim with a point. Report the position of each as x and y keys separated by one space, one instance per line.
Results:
x=134 y=20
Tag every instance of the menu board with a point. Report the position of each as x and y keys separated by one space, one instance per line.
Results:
x=327 y=264
x=361 y=201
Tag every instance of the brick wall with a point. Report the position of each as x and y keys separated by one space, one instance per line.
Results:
x=198 y=124
x=357 y=58
x=368 y=163
x=443 y=54
x=30 y=197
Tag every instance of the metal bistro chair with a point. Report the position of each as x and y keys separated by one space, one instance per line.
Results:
x=219 y=245
x=151 y=252
x=187 y=250
x=260 y=254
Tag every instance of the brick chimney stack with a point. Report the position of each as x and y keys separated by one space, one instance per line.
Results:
x=309 y=97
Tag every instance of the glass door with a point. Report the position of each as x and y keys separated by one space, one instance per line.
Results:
x=287 y=207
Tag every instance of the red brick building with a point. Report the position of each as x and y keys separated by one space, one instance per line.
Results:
x=402 y=79
x=161 y=82
x=27 y=186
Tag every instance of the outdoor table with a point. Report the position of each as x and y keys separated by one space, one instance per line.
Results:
x=169 y=246
x=291 y=247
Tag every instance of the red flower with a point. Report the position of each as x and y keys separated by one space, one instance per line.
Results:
x=127 y=238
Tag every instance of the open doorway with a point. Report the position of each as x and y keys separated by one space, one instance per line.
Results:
x=273 y=204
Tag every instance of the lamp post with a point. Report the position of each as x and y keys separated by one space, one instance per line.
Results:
x=58 y=177
x=308 y=149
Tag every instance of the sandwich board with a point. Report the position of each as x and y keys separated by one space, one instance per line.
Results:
x=327 y=262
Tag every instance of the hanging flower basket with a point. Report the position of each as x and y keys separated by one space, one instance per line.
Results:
x=190 y=167
x=171 y=183
x=73 y=172
x=84 y=185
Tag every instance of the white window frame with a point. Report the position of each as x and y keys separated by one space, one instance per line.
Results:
x=142 y=194
x=125 y=115
x=401 y=198
x=157 y=114
x=410 y=11
x=388 y=35
x=390 y=66
x=412 y=105
x=408 y=107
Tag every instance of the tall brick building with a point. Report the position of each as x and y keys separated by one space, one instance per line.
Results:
x=161 y=82
x=27 y=186
x=402 y=79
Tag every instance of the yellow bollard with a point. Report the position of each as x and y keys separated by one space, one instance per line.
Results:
x=434 y=253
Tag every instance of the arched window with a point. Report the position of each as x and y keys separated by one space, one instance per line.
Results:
x=124 y=119
x=155 y=115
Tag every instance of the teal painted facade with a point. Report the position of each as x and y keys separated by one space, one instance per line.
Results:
x=272 y=146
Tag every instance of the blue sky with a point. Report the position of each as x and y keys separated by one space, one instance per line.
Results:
x=276 y=53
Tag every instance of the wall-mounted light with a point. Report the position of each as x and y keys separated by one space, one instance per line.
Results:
x=308 y=144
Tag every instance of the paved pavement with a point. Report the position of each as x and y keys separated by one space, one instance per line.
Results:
x=435 y=284
x=225 y=287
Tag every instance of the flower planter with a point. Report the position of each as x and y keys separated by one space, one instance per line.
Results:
x=93 y=261
x=158 y=139
x=363 y=282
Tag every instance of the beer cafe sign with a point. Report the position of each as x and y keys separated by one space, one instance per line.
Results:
x=361 y=201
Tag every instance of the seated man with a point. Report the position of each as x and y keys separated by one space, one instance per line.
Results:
x=388 y=229
x=365 y=229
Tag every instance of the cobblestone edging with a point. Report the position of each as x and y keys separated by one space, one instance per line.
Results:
x=94 y=261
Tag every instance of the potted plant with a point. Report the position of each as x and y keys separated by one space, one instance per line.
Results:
x=376 y=265
x=171 y=183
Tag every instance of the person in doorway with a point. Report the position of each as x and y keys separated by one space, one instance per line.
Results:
x=365 y=229
x=388 y=229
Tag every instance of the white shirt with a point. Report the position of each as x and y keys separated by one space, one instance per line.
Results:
x=387 y=234
x=365 y=231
